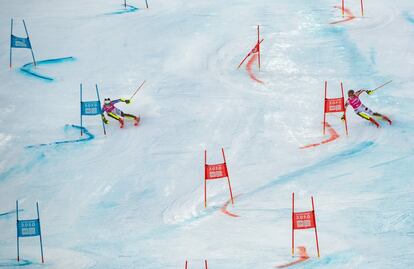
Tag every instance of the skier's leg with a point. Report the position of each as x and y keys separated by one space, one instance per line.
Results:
x=129 y=116
x=117 y=117
x=383 y=117
x=114 y=116
x=365 y=116
x=135 y=118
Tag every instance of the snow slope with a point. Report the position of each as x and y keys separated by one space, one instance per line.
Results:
x=134 y=198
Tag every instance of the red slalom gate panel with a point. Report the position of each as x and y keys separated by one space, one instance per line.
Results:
x=334 y=105
x=303 y=220
x=205 y=264
x=215 y=171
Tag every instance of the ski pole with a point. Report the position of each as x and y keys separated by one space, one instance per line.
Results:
x=386 y=83
x=137 y=89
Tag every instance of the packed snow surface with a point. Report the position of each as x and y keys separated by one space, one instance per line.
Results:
x=134 y=198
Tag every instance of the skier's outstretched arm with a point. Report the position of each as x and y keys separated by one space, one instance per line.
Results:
x=121 y=100
x=359 y=92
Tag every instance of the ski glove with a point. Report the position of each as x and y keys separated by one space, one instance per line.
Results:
x=105 y=121
x=369 y=92
x=343 y=117
x=127 y=101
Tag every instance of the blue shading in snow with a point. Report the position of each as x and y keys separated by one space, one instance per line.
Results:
x=345 y=258
x=128 y=9
x=358 y=65
x=88 y=137
x=23 y=167
x=27 y=68
x=341 y=156
x=41 y=157
x=332 y=160
x=408 y=17
x=13 y=263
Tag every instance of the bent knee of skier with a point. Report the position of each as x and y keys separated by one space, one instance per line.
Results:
x=364 y=116
x=114 y=116
x=129 y=116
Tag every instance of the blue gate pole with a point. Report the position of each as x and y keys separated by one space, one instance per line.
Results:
x=99 y=99
x=125 y=3
x=31 y=49
x=17 y=227
x=81 y=108
x=11 y=34
x=40 y=232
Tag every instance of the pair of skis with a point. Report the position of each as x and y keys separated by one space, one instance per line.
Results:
x=136 y=122
x=382 y=117
x=371 y=119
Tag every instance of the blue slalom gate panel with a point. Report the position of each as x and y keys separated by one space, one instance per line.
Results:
x=20 y=42
x=28 y=228
x=91 y=108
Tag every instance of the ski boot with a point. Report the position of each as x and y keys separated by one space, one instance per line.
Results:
x=121 y=122
x=387 y=119
x=136 y=121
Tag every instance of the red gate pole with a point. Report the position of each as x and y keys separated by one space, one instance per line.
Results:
x=343 y=8
x=258 y=43
x=205 y=264
x=316 y=231
x=343 y=104
x=324 y=107
x=228 y=178
x=186 y=264
x=293 y=216
x=362 y=8
x=205 y=178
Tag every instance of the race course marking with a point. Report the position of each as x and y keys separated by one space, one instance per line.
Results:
x=303 y=256
x=128 y=9
x=27 y=68
x=349 y=16
x=333 y=135
x=225 y=211
x=88 y=137
x=251 y=61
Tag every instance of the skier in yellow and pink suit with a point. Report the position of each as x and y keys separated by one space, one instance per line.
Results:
x=116 y=113
x=361 y=110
